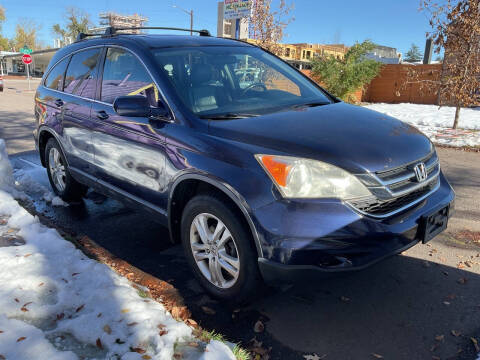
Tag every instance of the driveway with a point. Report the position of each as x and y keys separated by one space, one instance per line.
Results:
x=422 y=304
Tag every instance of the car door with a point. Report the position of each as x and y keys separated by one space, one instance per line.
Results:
x=79 y=93
x=129 y=151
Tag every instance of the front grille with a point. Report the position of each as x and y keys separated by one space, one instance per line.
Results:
x=397 y=188
x=378 y=207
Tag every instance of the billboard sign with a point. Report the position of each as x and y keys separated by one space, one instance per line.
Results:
x=236 y=9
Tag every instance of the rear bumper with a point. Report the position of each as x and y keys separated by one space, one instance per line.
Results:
x=312 y=238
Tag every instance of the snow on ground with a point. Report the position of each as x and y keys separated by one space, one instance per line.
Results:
x=57 y=304
x=436 y=122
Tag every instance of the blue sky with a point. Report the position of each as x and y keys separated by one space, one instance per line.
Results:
x=395 y=23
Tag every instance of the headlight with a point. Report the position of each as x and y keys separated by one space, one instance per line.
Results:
x=305 y=178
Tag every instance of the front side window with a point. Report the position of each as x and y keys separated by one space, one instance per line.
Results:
x=54 y=79
x=81 y=73
x=234 y=81
x=124 y=75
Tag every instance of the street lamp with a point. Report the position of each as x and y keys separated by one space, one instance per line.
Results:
x=189 y=13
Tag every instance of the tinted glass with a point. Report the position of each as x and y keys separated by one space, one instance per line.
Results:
x=54 y=79
x=124 y=75
x=220 y=80
x=81 y=73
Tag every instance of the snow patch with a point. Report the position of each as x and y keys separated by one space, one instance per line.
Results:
x=55 y=303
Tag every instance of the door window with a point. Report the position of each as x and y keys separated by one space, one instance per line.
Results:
x=54 y=79
x=124 y=75
x=81 y=73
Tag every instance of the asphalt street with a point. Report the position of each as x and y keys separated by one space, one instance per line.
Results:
x=417 y=305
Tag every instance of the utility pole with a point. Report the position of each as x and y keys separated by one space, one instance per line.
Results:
x=189 y=13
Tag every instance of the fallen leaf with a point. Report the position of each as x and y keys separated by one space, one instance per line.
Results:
x=107 y=329
x=191 y=322
x=314 y=357
x=99 y=314
x=162 y=332
x=99 y=343
x=475 y=343
x=344 y=298
x=258 y=327
x=138 y=350
x=16 y=300
x=41 y=284
x=208 y=311
x=27 y=255
x=75 y=274
x=132 y=323
x=146 y=357
x=60 y=316
x=468 y=263
x=440 y=337
x=377 y=356
x=125 y=311
x=193 y=344
x=80 y=308
x=456 y=333
x=21 y=338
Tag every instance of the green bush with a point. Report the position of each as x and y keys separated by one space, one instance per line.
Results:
x=342 y=77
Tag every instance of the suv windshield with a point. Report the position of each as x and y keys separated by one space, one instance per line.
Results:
x=221 y=82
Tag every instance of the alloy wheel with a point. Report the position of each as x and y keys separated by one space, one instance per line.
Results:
x=57 y=169
x=214 y=250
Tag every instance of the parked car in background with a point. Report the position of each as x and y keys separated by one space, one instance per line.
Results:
x=1 y=83
x=256 y=170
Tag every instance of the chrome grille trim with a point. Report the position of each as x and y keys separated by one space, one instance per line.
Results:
x=390 y=186
x=396 y=211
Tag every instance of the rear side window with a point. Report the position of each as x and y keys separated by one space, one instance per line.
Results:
x=82 y=73
x=54 y=79
x=124 y=75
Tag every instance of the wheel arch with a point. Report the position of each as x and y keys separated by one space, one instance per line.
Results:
x=45 y=134
x=188 y=185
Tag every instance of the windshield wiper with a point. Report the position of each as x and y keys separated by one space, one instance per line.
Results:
x=312 y=104
x=227 y=116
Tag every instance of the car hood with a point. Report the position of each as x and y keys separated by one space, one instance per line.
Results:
x=352 y=137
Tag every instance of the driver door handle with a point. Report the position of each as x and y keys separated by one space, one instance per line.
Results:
x=59 y=102
x=102 y=115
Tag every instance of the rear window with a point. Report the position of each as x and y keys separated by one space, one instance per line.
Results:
x=54 y=79
x=82 y=73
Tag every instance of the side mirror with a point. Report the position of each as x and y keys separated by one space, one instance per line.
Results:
x=138 y=106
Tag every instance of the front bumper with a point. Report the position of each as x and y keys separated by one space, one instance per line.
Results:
x=300 y=237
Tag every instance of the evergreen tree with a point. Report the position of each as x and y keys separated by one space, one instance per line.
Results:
x=342 y=77
x=414 y=54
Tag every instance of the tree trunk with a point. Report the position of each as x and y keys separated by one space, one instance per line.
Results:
x=457 y=116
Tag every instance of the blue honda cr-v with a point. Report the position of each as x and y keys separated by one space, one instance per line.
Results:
x=258 y=171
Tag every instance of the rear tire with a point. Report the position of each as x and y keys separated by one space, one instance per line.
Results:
x=224 y=248
x=62 y=182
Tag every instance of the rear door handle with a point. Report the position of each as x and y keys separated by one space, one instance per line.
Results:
x=59 y=102
x=102 y=115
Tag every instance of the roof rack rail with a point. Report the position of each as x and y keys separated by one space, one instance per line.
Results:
x=82 y=36
x=113 y=30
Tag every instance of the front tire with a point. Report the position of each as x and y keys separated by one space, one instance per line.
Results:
x=219 y=248
x=62 y=182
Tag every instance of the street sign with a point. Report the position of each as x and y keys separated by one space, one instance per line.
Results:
x=237 y=9
x=27 y=59
x=26 y=50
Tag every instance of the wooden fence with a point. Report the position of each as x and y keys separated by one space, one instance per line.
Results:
x=392 y=85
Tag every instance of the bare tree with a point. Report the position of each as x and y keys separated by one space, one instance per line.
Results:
x=268 y=25
x=25 y=34
x=78 y=22
x=456 y=29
